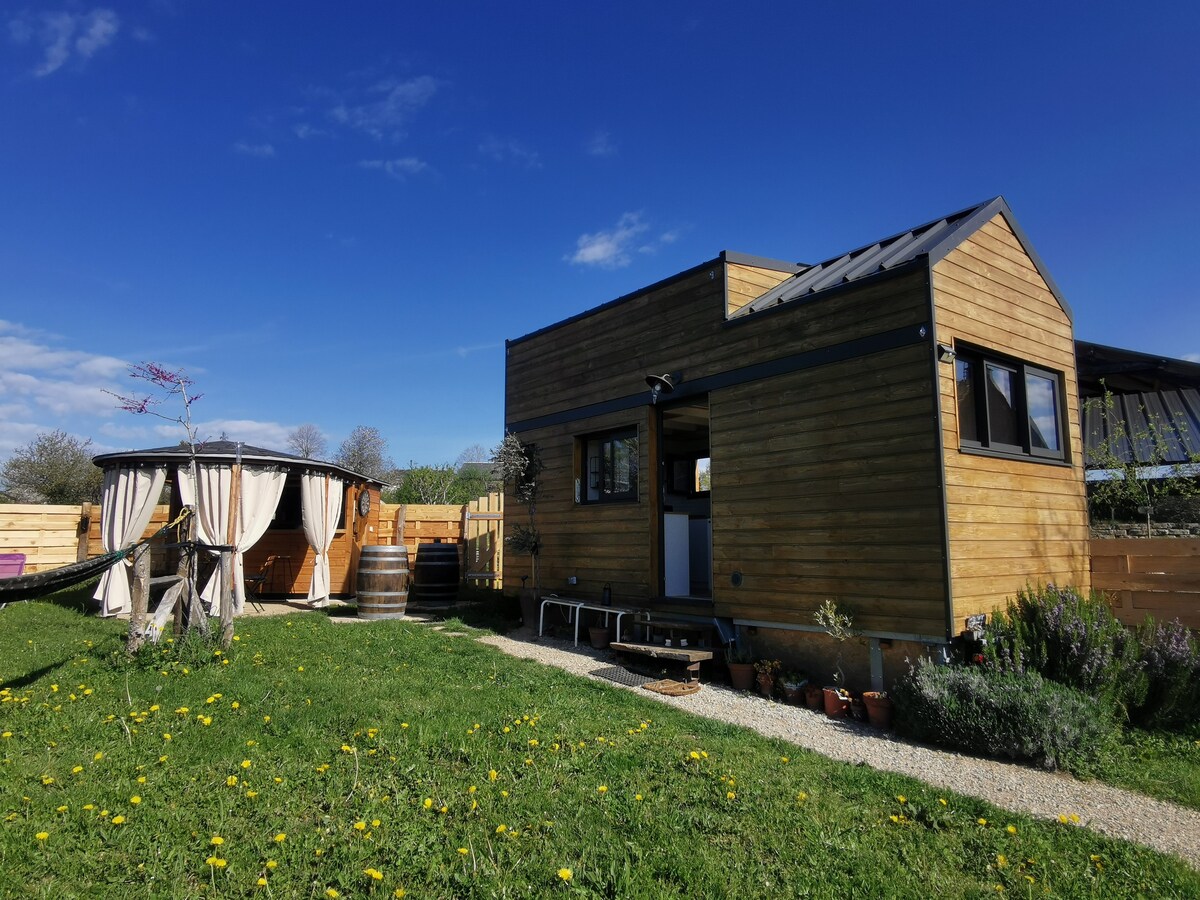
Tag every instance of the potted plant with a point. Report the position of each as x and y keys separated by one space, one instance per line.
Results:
x=794 y=683
x=767 y=670
x=741 y=669
x=814 y=697
x=519 y=467
x=839 y=626
x=879 y=708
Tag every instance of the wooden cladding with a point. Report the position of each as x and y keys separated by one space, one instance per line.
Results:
x=1157 y=577
x=745 y=283
x=1011 y=522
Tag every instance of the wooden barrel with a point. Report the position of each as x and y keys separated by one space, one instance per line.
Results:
x=435 y=581
x=382 y=582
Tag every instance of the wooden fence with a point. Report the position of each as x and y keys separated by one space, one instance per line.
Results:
x=477 y=528
x=49 y=536
x=1157 y=577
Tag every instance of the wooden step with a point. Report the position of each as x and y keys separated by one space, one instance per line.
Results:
x=654 y=651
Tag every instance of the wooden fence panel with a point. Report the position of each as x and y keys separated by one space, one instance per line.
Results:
x=477 y=528
x=1159 y=577
x=49 y=536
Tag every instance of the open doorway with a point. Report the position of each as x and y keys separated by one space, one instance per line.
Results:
x=686 y=507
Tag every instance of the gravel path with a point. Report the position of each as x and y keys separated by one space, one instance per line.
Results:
x=1111 y=811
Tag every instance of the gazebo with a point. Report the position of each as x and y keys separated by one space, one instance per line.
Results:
x=295 y=525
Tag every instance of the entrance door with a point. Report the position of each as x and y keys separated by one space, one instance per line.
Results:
x=684 y=504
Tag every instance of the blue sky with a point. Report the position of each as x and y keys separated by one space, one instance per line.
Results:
x=336 y=213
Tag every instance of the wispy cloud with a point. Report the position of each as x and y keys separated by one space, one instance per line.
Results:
x=610 y=249
x=385 y=108
x=64 y=36
x=262 y=151
x=305 y=131
x=1192 y=357
x=600 y=144
x=509 y=150
x=399 y=169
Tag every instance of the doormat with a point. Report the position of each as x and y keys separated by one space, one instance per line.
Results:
x=673 y=688
x=621 y=675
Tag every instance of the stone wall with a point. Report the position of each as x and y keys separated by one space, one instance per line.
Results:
x=1103 y=530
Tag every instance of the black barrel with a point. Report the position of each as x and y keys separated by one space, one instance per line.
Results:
x=383 y=579
x=435 y=581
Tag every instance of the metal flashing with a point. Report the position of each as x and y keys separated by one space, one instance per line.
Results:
x=761 y=262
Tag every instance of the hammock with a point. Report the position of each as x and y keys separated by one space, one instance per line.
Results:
x=37 y=584
x=25 y=587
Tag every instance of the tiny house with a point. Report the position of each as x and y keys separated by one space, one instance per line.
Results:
x=895 y=429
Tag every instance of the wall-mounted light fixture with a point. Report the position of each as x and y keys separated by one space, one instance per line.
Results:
x=661 y=384
x=945 y=353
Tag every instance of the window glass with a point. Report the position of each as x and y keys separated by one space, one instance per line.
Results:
x=1002 y=406
x=1041 y=397
x=611 y=462
x=968 y=423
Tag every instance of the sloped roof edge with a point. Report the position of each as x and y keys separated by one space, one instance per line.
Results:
x=932 y=240
x=226 y=450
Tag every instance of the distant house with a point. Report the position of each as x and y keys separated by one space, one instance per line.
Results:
x=895 y=429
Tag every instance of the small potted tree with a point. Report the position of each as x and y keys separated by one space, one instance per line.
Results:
x=767 y=671
x=741 y=669
x=839 y=626
x=519 y=467
x=794 y=682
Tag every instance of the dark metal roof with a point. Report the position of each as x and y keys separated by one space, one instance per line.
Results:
x=1173 y=414
x=1124 y=371
x=225 y=450
x=932 y=240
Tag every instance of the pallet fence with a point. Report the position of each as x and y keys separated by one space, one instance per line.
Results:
x=1157 y=577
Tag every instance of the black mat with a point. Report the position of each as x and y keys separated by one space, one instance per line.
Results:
x=621 y=675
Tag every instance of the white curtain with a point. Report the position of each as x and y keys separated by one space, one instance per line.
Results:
x=320 y=508
x=126 y=508
x=261 y=488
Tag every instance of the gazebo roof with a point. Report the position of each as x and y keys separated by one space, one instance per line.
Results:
x=222 y=451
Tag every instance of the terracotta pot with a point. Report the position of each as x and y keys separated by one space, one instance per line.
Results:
x=879 y=709
x=741 y=675
x=766 y=684
x=599 y=636
x=837 y=705
x=814 y=697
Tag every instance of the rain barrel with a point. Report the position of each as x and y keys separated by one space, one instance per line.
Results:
x=383 y=579
x=435 y=581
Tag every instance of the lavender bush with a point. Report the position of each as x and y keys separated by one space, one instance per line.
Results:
x=1070 y=639
x=1171 y=667
x=1018 y=715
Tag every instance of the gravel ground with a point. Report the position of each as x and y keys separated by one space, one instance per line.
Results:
x=1111 y=811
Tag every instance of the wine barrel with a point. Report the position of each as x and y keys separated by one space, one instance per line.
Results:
x=383 y=579
x=435 y=581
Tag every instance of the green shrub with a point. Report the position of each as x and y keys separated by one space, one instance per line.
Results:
x=1018 y=715
x=1070 y=639
x=1171 y=669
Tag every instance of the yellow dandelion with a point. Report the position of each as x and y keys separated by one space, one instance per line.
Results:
x=216 y=862
x=730 y=795
x=801 y=797
x=1011 y=829
x=61 y=809
x=694 y=755
x=1001 y=860
x=42 y=835
x=262 y=882
x=118 y=820
x=504 y=793
x=463 y=851
x=246 y=764
x=901 y=798
x=783 y=759
x=981 y=821
x=135 y=799
x=637 y=797
x=217 y=840
x=374 y=874
x=493 y=775
x=603 y=789
x=399 y=893
x=77 y=770
x=329 y=892
x=428 y=803
x=270 y=863
x=500 y=829
x=232 y=781
x=942 y=800
x=565 y=874
x=360 y=826
x=471 y=789
x=98 y=756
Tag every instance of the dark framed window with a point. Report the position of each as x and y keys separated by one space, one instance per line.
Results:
x=288 y=515
x=1009 y=407
x=610 y=467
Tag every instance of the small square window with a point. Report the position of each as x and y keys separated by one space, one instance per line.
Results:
x=610 y=463
x=1008 y=407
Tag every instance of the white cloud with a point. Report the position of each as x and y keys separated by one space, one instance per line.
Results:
x=384 y=108
x=262 y=151
x=600 y=144
x=304 y=131
x=1192 y=357
x=509 y=150
x=268 y=435
x=396 y=168
x=609 y=249
x=63 y=36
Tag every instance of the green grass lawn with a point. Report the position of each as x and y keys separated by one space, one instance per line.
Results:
x=322 y=760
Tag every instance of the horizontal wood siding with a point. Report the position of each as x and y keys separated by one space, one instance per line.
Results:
x=825 y=481
x=597 y=543
x=1011 y=522
x=1157 y=577
x=825 y=487
x=49 y=536
x=747 y=283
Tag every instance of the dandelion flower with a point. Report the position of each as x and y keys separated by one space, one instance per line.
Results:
x=118 y=820
x=262 y=882
x=694 y=755
x=135 y=799
x=565 y=874
x=1011 y=829
x=637 y=797
x=942 y=800
x=361 y=826
x=428 y=804
x=76 y=770
x=374 y=874
x=329 y=892
x=493 y=775
x=399 y=893
x=463 y=850
x=801 y=797
x=216 y=862
x=246 y=763
x=603 y=789
x=901 y=798
x=730 y=795
x=270 y=864
x=1001 y=860
x=42 y=835
x=500 y=829
x=981 y=821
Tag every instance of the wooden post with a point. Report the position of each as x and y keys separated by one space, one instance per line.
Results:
x=140 y=598
x=226 y=598
x=184 y=570
x=85 y=527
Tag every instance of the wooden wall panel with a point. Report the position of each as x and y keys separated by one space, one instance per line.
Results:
x=746 y=283
x=1011 y=522
x=825 y=486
